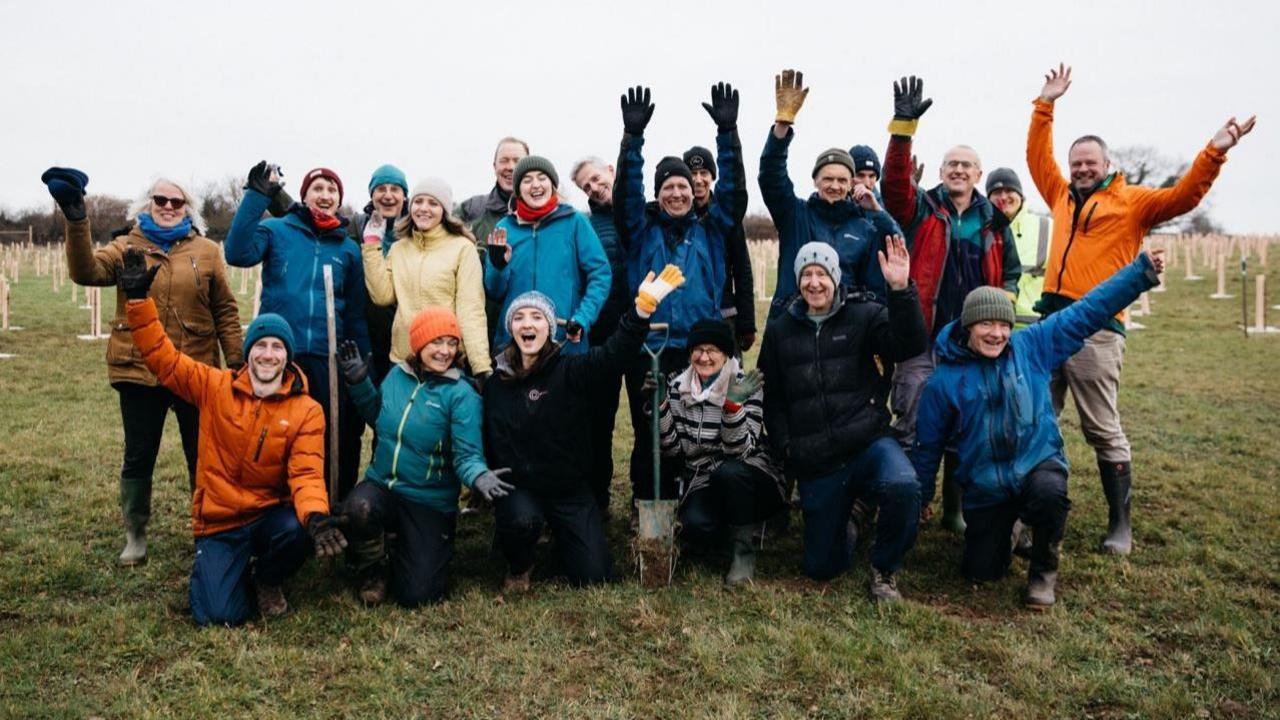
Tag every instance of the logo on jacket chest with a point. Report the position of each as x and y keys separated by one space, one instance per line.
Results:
x=536 y=394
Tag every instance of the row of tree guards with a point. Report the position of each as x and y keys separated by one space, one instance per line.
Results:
x=1189 y=253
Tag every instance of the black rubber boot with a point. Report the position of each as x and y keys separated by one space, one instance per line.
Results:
x=1117 y=486
x=952 y=516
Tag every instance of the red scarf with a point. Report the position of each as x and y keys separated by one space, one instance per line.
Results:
x=323 y=220
x=528 y=214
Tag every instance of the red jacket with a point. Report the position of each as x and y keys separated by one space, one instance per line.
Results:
x=254 y=453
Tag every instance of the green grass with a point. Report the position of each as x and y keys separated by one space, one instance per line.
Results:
x=1186 y=627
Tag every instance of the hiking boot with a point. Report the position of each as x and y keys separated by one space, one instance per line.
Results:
x=373 y=590
x=884 y=587
x=271 y=602
x=743 y=566
x=1117 y=486
x=135 y=547
x=516 y=583
x=1039 y=595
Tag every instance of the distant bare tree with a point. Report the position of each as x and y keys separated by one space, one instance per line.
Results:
x=1145 y=165
x=219 y=201
x=759 y=226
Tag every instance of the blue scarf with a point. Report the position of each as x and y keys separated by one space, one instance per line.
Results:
x=162 y=236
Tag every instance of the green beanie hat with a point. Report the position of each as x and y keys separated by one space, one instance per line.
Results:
x=388 y=175
x=986 y=303
x=529 y=163
x=833 y=156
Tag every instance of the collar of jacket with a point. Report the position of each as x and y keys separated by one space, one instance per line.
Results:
x=135 y=234
x=940 y=202
x=655 y=211
x=453 y=374
x=1106 y=182
x=562 y=210
x=836 y=212
x=497 y=201
x=799 y=309
x=503 y=368
x=952 y=346
x=294 y=381
x=299 y=216
x=599 y=209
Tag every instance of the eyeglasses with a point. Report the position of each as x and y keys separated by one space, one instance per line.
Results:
x=175 y=203
x=961 y=164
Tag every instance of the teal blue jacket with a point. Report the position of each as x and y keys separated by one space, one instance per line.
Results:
x=429 y=435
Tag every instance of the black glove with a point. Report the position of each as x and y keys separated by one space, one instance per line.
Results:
x=325 y=533
x=260 y=180
x=491 y=486
x=571 y=328
x=650 y=384
x=134 y=278
x=908 y=102
x=636 y=110
x=67 y=185
x=724 y=107
x=354 y=368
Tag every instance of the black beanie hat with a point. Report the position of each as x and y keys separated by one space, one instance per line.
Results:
x=864 y=158
x=667 y=167
x=700 y=158
x=1004 y=178
x=709 y=331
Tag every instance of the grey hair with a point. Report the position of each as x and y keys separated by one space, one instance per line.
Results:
x=143 y=203
x=1106 y=154
x=590 y=160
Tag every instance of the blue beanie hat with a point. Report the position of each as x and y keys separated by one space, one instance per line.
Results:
x=864 y=158
x=388 y=175
x=269 y=325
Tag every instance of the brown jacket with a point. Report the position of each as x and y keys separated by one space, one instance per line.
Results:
x=195 y=303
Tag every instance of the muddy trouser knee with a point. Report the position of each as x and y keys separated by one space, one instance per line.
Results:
x=576 y=524
x=517 y=522
x=641 y=471
x=369 y=510
x=276 y=544
x=423 y=552
x=1093 y=376
x=909 y=378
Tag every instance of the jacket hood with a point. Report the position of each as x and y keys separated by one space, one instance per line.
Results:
x=951 y=347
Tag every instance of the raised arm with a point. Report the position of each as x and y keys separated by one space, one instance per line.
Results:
x=897 y=332
x=182 y=375
x=85 y=266
x=743 y=419
x=901 y=194
x=628 y=191
x=775 y=184
x=497 y=273
x=378 y=279
x=625 y=343
x=729 y=201
x=1163 y=204
x=1045 y=172
x=355 y=371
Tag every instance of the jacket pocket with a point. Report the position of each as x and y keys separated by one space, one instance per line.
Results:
x=120 y=347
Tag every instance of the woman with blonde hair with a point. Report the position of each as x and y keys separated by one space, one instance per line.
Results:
x=433 y=263
x=195 y=305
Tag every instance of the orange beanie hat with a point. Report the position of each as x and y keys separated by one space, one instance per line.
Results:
x=431 y=323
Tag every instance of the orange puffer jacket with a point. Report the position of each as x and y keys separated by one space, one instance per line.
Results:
x=254 y=453
x=1092 y=243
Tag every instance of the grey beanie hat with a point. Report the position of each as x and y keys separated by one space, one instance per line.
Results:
x=436 y=188
x=818 y=253
x=532 y=299
x=1004 y=178
x=833 y=156
x=986 y=303
x=529 y=163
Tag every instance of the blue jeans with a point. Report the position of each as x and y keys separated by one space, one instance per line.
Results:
x=881 y=475
x=220 y=587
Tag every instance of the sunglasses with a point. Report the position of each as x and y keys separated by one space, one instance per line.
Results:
x=175 y=203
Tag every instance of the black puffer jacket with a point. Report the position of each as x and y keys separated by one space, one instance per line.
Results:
x=538 y=424
x=825 y=394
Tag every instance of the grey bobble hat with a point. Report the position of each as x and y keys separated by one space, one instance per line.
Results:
x=821 y=254
x=1004 y=178
x=532 y=299
x=986 y=303
x=529 y=163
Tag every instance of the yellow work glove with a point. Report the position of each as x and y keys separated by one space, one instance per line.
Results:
x=789 y=92
x=654 y=289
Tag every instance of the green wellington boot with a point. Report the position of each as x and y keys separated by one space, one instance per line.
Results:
x=952 y=516
x=1117 y=486
x=135 y=506
x=743 y=566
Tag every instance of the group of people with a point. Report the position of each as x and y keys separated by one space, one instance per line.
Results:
x=486 y=343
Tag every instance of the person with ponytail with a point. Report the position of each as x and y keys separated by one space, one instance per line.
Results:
x=195 y=307
x=433 y=263
x=546 y=245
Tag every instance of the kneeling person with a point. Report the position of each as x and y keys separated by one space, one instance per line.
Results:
x=262 y=480
x=712 y=420
x=990 y=398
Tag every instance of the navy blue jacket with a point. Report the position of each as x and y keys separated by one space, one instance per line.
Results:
x=619 y=297
x=293 y=256
x=857 y=235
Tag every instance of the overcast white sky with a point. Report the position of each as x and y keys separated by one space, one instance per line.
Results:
x=127 y=89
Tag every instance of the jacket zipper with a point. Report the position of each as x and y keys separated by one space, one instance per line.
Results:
x=261 y=439
x=311 y=304
x=395 y=454
x=195 y=270
x=1075 y=220
x=822 y=381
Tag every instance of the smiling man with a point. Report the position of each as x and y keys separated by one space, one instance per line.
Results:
x=1099 y=222
x=738 y=302
x=958 y=241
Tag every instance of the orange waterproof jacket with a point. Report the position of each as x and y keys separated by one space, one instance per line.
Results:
x=254 y=453
x=1092 y=242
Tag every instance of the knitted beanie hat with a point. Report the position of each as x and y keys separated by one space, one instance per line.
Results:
x=532 y=299
x=388 y=175
x=986 y=303
x=431 y=323
x=821 y=254
x=669 y=167
x=320 y=172
x=436 y=188
x=711 y=331
x=700 y=158
x=1004 y=178
x=864 y=158
x=832 y=156
x=269 y=325
x=529 y=163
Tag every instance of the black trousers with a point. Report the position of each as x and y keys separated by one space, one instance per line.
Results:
x=1043 y=506
x=671 y=360
x=350 y=424
x=419 y=563
x=576 y=524
x=142 y=413
x=738 y=494
x=604 y=410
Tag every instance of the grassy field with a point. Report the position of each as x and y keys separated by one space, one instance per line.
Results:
x=1184 y=628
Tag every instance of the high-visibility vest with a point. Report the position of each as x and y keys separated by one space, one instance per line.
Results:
x=1031 y=235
